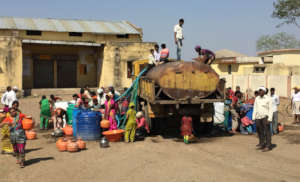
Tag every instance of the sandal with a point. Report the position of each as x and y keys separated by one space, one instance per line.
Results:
x=22 y=165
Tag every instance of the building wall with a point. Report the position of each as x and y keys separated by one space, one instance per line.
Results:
x=64 y=36
x=283 y=84
x=84 y=56
x=248 y=69
x=115 y=62
x=108 y=68
x=236 y=69
x=287 y=59
x=10 y=62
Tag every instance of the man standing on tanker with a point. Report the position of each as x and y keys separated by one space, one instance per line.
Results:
x=178 y=36
x=204 y=55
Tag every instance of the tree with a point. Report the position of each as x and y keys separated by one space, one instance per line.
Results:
x=288 y=11
x=280 y=40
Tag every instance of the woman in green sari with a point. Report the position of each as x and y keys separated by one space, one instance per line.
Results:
x=45 y=113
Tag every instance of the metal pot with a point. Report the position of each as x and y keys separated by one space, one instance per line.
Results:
x=104 y=142
x=58 y=133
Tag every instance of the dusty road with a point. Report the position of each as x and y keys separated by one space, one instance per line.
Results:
x=228 y=158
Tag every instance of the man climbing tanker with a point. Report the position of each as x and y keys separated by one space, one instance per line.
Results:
x=204 y=55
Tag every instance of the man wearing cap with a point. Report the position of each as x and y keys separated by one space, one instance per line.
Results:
x=204 y=55
x=263 y=115
x=296 y=105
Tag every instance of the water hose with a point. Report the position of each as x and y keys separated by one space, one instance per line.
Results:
x=133 y=91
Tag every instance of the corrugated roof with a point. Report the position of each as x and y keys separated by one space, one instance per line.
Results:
x=225 y=53
x=62 y=25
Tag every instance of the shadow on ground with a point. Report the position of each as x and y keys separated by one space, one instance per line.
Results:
x=32 y=150
x=292 y=127
x=37 y=160
x=292 y=138
x=205 y=137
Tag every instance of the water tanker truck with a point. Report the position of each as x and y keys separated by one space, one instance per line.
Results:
x=175 y=89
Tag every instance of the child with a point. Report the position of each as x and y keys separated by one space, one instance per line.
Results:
x=45 y=113
x=131 y=123
x=186 y=128
x=17 y=136
x=93 y=96
x=75 y=99
x=142 y=125
x=96 y=106
x=59 y=118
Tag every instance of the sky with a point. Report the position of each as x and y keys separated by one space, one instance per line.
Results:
x=213 y=24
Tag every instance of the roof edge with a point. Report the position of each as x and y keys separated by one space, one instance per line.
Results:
x=277 y=51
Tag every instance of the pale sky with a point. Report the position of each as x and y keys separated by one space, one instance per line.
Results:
x=213 y=24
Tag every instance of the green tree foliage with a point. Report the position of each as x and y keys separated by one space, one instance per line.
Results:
x=288 y=11
x=277 y=41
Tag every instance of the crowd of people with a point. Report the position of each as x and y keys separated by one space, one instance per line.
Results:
x=13 y=138
x=252 y=112
x=247 y=113
x=102 y=100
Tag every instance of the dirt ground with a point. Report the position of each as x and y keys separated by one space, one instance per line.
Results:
x=223 y=158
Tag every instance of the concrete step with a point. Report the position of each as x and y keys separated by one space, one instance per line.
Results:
x=55 y=91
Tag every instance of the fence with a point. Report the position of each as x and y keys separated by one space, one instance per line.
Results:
x=283 y=84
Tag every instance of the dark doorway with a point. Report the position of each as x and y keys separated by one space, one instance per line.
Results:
x=43 y=74
x=66 y=74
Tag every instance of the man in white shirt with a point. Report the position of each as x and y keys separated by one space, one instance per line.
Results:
x=9 y=96
x=275 y=104
x=178 y=36
x=263 y=115
x=4 y=100
x=101 y=97
x=156 y=53
x=151 y=58
x=296 y=105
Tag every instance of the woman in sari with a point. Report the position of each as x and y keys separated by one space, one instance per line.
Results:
x=17 y=136
x=45 y=113
x=110 y=111
x=5 y=130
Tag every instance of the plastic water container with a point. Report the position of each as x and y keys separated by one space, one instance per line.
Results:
x=76 y=111
x=88 y=125
x=70 y=114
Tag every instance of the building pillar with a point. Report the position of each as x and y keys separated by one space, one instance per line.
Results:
x=55 y=73
x=289 y=86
